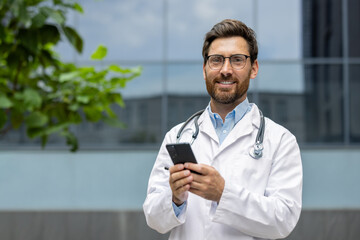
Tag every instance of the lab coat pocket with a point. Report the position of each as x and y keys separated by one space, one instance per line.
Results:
x=250 y=173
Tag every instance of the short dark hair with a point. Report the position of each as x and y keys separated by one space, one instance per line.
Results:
x=231 y=28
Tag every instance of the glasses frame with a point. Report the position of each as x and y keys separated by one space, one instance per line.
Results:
x=224 y=58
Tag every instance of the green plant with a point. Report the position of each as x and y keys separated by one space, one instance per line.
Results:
x=40 y=91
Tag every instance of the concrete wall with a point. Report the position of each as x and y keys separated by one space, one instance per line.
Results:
x=99 y=195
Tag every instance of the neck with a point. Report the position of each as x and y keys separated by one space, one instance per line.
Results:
x=224 y=109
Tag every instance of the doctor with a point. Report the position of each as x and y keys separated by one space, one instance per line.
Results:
x=229 y=194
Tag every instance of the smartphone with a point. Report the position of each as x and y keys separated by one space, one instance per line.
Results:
x=181 y=153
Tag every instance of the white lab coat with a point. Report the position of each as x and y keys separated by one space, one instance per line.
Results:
x=261 y=197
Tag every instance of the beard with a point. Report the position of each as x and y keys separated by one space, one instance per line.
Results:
x=226 y=95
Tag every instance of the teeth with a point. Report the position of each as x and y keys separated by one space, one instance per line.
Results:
x=226 y=83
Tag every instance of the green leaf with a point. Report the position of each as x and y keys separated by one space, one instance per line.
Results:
x=16 y=118
x=119 y=81
x=47 y=59
x=74 y=107
x=118 y=99
x=56 y=15
x=71 y=140
x=39 y=19
x=99 y=53
x=32 y=99
x=44 y=139
x=29 y=38
x=83 y=99
x=92 y=113
x=116 y=68
x=78 y=8
x=36 y=132
x=5 y=102
x=49 y=34
x=68 y=76
x=3 y=119
x=36 y=119
x=2 y=32
x=74 y=38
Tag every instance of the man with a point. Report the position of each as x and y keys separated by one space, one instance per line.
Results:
x=229 y=194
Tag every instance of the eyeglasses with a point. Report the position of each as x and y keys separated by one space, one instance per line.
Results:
x=237 y=61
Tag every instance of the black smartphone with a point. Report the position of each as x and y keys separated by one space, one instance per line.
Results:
x=181 y=153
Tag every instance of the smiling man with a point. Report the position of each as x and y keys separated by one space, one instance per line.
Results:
x=238 y=189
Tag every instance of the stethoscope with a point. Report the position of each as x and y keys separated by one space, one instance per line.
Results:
x=255 y=152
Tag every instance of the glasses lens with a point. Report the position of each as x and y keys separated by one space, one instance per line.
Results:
x=216 y=62
x=238 y=61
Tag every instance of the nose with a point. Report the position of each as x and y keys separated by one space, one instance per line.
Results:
x=226 y=69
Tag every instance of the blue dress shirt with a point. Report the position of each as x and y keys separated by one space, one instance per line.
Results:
x=232 y=118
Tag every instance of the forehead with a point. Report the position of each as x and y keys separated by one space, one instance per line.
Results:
x=229 y=46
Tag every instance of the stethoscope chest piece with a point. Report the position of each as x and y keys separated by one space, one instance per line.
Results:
x=256 y=151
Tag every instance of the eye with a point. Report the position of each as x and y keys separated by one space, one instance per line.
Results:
x=216 y=59
x=237 y=59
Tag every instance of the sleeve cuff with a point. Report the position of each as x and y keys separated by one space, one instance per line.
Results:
x=178 y=209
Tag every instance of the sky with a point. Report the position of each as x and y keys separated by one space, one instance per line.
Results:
x=133 y=31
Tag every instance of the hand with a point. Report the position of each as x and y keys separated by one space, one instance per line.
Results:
x=208 y=184
x=179 y=180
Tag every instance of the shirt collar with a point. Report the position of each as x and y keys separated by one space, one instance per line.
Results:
x=237 y=113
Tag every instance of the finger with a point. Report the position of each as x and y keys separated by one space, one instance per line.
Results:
x=196 y=185
x=176 y=176
x=182 y=189
x=199 y=168
x=176 y=168
x=182 y=182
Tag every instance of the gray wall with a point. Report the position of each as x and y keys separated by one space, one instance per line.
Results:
x=313 y=225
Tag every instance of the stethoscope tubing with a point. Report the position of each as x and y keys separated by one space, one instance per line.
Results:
x=255 y=151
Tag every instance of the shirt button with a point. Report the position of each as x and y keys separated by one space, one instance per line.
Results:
x=224 y=131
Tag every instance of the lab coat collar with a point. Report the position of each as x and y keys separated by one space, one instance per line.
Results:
x=245 y=126
x=206 y=126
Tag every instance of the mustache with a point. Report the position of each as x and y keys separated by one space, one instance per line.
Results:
x=223 y=78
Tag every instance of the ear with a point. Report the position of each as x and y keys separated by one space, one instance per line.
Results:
x=204 y=71
x=254 y=69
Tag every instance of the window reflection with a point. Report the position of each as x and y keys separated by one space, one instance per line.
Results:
x=117 y=24
x=324 y=103
x=354 y=103
x=305 y=98
x=354 y=30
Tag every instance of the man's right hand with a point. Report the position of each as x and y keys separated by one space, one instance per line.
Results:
x=180 y=180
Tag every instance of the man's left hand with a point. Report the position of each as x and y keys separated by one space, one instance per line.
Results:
x=208 y=184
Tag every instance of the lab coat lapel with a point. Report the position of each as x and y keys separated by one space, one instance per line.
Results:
x=243 y=128
x=207 y=127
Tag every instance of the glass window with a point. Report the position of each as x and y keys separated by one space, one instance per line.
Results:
x=354 y=30
x=187 y=91
x=130 y=29
x=354 y=103
x=190 y=20
x=186 y=78
x=280 y=77
x=322 y=28
x=279 y=38
x=324 y=103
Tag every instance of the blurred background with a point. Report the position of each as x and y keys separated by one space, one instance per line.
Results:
x=309 y=82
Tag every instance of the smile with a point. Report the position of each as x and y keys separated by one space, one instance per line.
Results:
x=226 y=83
